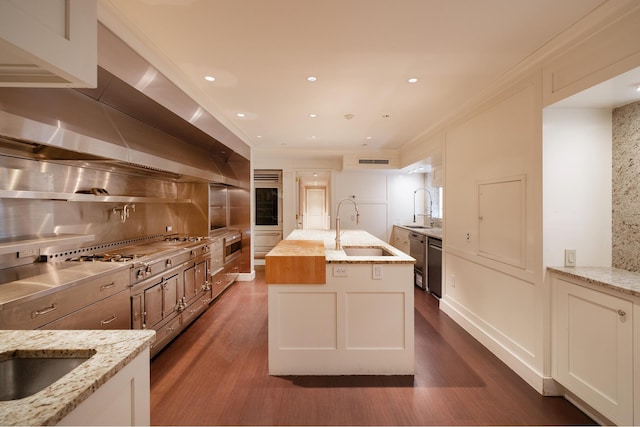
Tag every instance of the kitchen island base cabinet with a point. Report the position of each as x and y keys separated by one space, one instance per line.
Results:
x=123 y=400
x=352 y=325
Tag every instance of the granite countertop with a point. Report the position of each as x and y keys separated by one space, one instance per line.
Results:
x=359 y=238
x=113 y=351
x=21 y=284
x=429 y=232
x=623 y=281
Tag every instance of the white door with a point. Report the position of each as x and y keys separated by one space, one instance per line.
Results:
x=315 y=209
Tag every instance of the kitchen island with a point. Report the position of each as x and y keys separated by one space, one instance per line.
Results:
x=353 y=318
x=110 y=388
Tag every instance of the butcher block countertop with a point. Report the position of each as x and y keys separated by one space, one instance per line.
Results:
x=113 y=351
x=296 y=262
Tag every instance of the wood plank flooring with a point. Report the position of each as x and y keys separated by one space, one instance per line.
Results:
x=216 y=373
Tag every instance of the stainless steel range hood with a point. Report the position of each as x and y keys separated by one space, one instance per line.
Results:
x=113 y=127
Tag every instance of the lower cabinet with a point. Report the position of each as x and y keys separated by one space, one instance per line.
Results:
x=400 y=239
x=110 y=313
x=123 y=400
x=592 y=349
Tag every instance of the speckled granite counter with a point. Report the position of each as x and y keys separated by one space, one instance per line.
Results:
x=429 y=232
x=114 y=350
x=612 y=278
x=359 y=238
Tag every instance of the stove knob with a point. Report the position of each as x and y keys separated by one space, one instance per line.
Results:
x=140 y=274
x=147 y=271
x=168 y=263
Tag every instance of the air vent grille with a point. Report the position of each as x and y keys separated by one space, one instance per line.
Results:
x=267 y=175
x=373 y=161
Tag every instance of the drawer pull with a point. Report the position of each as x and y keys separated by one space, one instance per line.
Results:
x=44 y=311
x=622 y=313
x=108 y=320
x=107 y=286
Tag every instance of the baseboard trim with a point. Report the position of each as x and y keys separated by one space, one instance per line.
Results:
x=528 y=374
x=246 y=277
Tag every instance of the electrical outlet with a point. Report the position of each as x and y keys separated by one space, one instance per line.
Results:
x=468 y=236
x=377 y=272
x=569 y=257
x=452 y=280
x=169 y=228
x=340 y=271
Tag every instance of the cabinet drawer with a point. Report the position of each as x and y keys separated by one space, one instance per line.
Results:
x=194 y=310
x=110 y=313
x=165 y=334
x=267 y=238
x=39 y=312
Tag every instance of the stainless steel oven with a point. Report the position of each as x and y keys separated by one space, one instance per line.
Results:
x=232 y=246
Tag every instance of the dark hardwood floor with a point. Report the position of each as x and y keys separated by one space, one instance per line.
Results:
x=216 y=373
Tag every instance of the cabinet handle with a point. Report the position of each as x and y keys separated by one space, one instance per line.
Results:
x=108 y=320
x=622 y=313
x=44 y=311
x=107 y=286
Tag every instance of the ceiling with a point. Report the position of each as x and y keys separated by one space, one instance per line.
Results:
x=362 y=53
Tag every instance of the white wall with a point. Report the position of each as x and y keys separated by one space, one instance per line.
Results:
x=577 y=185
x=502 y=305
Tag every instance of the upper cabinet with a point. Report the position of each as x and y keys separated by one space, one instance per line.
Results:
x=48 y=43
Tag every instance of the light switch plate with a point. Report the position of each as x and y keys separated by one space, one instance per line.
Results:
x=569 y=257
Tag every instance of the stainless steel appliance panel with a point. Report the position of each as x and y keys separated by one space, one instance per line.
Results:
x=434 y=258
x=109 y=313
x=418 y=250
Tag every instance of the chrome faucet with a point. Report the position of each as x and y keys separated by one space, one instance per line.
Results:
x=426 y=190
x=125 y=212
x=338 y=219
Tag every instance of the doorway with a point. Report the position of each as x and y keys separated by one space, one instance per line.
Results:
x=313 y=193
x=315 y=213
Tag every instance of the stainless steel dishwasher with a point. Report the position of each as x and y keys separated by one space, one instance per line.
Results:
x=434 y=275
x=418 y=250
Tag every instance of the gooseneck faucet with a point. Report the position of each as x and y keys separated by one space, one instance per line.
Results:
x=426 y=190
x=338 y=220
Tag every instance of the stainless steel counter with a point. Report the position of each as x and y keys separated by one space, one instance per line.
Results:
x=21 y=284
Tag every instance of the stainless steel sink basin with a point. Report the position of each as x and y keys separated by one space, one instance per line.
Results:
x=21 y=377
x=366 y=251
x=417 y=226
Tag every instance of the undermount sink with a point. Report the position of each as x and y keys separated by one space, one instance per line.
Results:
x=22 y=376
x=366 y=251
x=417 y=226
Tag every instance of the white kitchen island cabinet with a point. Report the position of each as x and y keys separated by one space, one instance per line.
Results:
x=359 y=321
x=593 y=342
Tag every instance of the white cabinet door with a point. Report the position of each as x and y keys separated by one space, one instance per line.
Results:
x=48 y=43
x=401 y=239
x=593 y=348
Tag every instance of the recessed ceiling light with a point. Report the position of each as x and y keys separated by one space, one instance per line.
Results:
x=258 y=136
x=413 y=80
x=312 y=78
x=210 y=78
x=241 y=115
x=638 y=88
x=369 y=137
x=313 y=115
